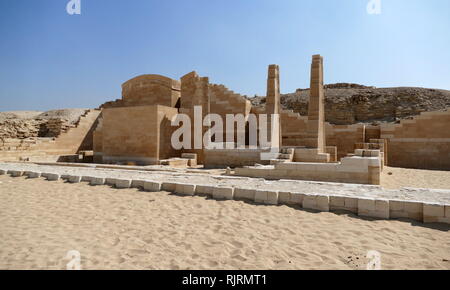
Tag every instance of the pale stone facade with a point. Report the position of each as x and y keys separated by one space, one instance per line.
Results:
x=137 y=129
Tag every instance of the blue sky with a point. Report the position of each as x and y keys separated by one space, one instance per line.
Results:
x=49 y=59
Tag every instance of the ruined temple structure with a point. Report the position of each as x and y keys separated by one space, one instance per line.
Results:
x=137 y=130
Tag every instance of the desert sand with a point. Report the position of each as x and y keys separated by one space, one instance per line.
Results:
x=40 y=221
x=393 y=177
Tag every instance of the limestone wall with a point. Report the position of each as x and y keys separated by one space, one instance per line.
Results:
x=355 y=169
x=221 y=158
x=148 y=90
x=344 y=137
x=423 y=142
x=133 y=134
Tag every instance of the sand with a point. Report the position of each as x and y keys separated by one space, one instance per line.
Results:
x=40 y=221
x=200 y=177
x=393 y=178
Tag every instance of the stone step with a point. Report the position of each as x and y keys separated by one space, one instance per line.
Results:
x=277 y=161
x=285 y=156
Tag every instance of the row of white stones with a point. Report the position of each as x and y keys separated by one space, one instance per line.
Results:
x=362 y=206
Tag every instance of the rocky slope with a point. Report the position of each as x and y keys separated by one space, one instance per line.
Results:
x=27 y=124
x=352 y=103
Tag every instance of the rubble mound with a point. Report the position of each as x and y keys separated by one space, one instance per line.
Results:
x=33 y=124
x=352 y=103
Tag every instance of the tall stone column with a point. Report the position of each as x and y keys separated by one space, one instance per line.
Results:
x=315 y=131
x=195 y=97
x=273 y=105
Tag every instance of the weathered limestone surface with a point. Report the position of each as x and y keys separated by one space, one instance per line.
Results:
x=373 y=208
x=244 y=194
x=152 y=186
x=273 y=106
x=75 y=179
x=123 y=183
x=316 y=202
x=15 y=173
x=315 y=131
x=204 y=190
x=32 y=174
x=185 y=189
x=226 y=193
x=97 y=181
x=52 y=176
x=406 y=209
x=423 y=142
x=361 y=170
x=140 y=135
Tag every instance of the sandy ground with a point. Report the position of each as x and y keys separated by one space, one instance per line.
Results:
x=40 y=221
x=394 y=178
x=200 y=177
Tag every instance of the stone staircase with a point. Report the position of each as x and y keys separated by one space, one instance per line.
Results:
x=71 y=142
x=225 y=101
x=67 y=143
x=374 y=144
x=286 y=155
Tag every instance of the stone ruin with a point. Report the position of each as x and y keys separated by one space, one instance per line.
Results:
x=137 y=130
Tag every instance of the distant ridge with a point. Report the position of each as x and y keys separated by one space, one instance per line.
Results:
x=348 y=103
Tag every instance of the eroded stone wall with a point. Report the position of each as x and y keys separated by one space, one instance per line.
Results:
x=133 y=134
x=423 y=142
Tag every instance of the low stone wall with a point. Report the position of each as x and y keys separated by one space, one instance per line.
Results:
x=422 y=143
x=361 y=206
x=356 y=169
x=311 y=155
x=220 y=158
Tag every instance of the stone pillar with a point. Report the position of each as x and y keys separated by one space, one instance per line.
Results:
x=315 y=132
x=195 y=93
x=273 y=105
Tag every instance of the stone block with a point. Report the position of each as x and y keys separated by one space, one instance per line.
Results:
x=261 y=196
x=169 y=186
x=3 y=172
x=75 y=179
x=226 y=193
x=406 y=209
x=433 y=213
x=123 y=183
x=185 y=189
x=137 y=183
x=32 y=174
x=204 y=190
x=86 y=178
x=244 y=194
x=97 y=181
x=375 y=208
x=15 y=173
x=337 y=203
x=284 y=197
x=53 y=176
x=296 y=198
x=189 y=156
x=110 y=181
x=272 y=197
x=152 y=186
x=351 y=204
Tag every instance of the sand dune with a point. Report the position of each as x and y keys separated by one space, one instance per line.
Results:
x=41 y=221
